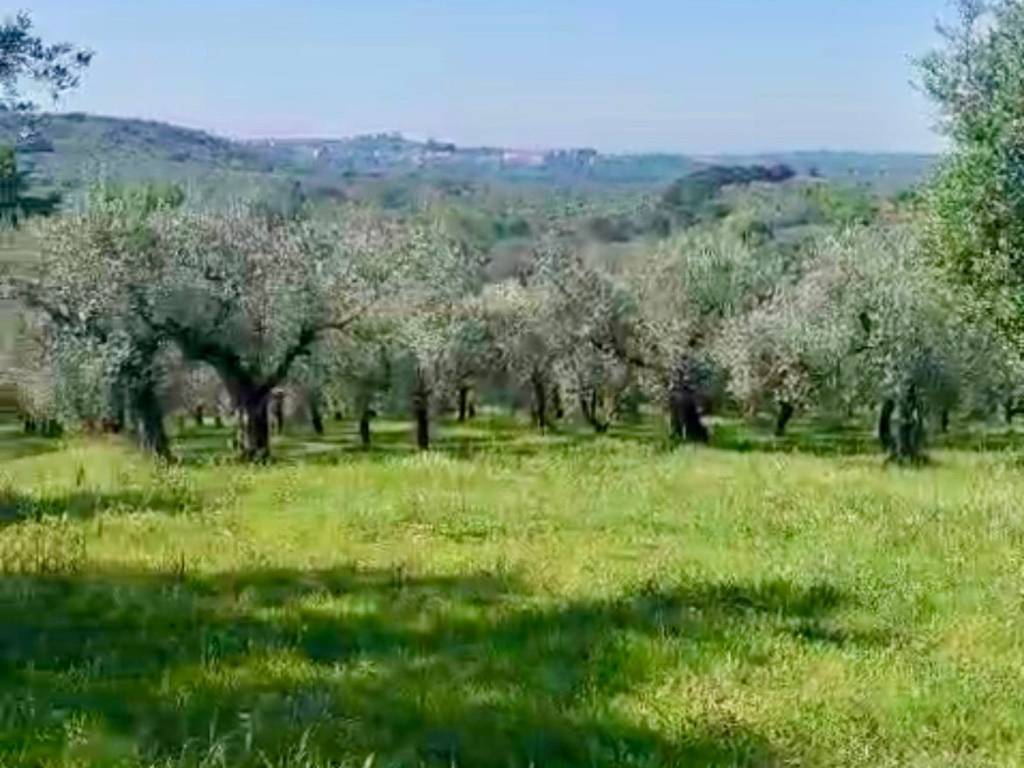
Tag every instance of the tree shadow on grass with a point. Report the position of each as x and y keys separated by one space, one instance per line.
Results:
x=393 y=439
x=16 y=507
x=817 y=437
x=15 y=444
x=418 y=670
x=856 y=437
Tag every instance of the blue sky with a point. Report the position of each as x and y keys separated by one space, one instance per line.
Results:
x=694 y=76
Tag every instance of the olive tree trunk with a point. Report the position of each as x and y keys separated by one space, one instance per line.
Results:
x=254 y=427
x=540 y=400
x=903 y=440
x=782 y=420
x=885 y=424
x=684 y=407
x=149 y=419
x=421 y=412
x=364 y=428
x=316 y=416
x=590 y=408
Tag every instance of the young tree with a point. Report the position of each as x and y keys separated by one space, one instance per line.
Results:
x=362 y=371
x=591 y=314
x=526 y=339
x=469 y=354
x=437 y=313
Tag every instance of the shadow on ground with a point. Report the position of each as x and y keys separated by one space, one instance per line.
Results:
x=16 y=507
x=508 y=437
x=468 y=671
x=15 y=444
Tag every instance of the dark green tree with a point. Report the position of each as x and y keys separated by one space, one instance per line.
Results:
x=16 y=203
x=976 y=202
x=27 y=63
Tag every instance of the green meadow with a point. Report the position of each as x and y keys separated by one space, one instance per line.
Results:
x=512 y=599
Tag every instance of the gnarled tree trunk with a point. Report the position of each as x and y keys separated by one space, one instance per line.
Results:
x=786 y=411
x=254 y=426
x=364 y=428
x=590 y=407
x=684 y=407
x=463 y=396
x=540 y=400
x=421 y=412
x=910 y=434
x=885 y=424
x=316 y=417
x=149 y=419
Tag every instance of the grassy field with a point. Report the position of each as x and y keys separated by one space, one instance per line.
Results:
x=512 y=600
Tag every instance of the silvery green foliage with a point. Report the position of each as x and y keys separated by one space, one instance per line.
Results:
x=194 y=387
x=523 y=328
x=867 y=320
x=790 y=347
x=82 y=331
x=366 y=364
x=688 y=290
x=975 y=205
x=239 y=292
x=437 y=318
x=907 y=321
x=469 y=351
x=249 y=296
x=591 y=315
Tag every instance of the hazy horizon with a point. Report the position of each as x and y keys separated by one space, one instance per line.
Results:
x=737 y=78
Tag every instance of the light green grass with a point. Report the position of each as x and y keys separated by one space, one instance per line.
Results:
x=510 y=600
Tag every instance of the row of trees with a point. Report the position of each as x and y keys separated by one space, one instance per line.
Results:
x=139 y=307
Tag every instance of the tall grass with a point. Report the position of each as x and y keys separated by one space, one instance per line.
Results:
x=510 y=600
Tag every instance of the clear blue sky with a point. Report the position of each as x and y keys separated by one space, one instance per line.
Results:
x=683 y=75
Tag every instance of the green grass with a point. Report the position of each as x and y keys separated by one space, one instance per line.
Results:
x=512 y=600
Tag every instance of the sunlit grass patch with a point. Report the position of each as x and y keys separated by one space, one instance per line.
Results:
x=591 y=601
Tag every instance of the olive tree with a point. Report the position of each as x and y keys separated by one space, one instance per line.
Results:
x=591 y=314
x=78 y=287
x=976 y=202
x=526 y=338
x=686 y=291
x=436 y=318
x=250 y=296
x=868 y=319
x=242 y=293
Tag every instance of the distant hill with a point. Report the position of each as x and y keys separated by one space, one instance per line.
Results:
x=69 y=151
